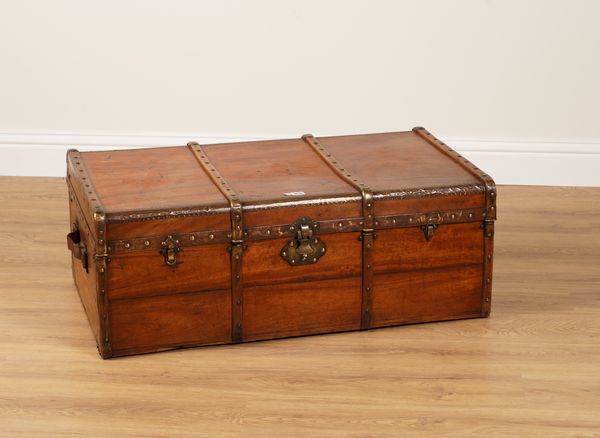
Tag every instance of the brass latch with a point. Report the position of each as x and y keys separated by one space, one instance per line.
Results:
x=428 y=231
x=169 y=250
x=305 y=249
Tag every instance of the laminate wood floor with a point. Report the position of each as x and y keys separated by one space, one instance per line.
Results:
x=531 y=370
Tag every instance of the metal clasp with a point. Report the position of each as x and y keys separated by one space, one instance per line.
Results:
x=169 y=250
x=305 y=249
x=428 y=231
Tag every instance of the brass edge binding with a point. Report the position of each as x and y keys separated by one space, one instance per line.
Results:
x=490 y=186
x=237 y=235
x=488 y=253
x=100 y=254
x=266 y=232
x=368 y=222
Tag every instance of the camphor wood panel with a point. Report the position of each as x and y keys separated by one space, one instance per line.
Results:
x=86 y=280
x=143 y=179
x=395 y=160
x=531 y=369
x=262 y=171
x=143 y=273
x=263 y=264
x=427 y=295
x=302 y=308
x=418 y=281
x=403 y=249
x=165 y=321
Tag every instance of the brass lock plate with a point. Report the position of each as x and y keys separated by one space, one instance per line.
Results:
x=305 y=248
x=169 y=249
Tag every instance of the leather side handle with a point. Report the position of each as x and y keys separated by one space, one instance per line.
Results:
x=77 y=247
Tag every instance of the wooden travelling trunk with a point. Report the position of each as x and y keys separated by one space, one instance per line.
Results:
x=195 y=245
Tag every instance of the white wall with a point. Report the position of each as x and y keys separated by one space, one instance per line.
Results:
x=503 y=79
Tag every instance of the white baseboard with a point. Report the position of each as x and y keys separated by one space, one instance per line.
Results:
x=509 y=161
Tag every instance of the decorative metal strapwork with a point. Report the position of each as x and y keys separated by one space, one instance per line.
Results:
x=368 y=221
x=237 y=234
x=368 y=203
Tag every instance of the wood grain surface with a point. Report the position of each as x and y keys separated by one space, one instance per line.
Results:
x=531 y=370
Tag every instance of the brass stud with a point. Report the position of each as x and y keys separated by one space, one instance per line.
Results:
x=470 y=215
x=237 y=277
x=211 y=236
x=127 y=245
x=147 y=242
x=101 y=242
x=237 y=257
x=410 y=219
x=453 y=216
x=368 y=246
x=101 y=269
x=192 y=237
x=314 y=260
x=322 y=249
x=487 y=300
x=393 y=221
x=284 y=253
x=368 y=289
x=368 y=266
x=268 y=232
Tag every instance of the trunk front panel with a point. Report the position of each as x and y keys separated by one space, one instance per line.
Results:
x=144 y=273
x=418 y=280
x=170 y=320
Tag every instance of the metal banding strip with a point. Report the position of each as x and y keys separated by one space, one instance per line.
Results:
x=367 y=280
x=237 y=235
x=100 y=253
x=266 y=232
x=488 y=253
x=367 y=194
x=368 y=223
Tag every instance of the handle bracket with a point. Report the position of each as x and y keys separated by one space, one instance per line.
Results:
x=77 y=247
